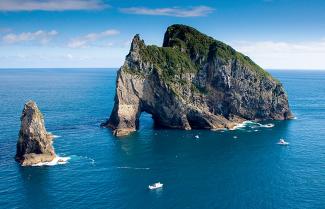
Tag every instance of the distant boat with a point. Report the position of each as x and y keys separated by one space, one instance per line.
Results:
x=197 y=136
x=62 y=160
x=155 y=186
x=282 y=142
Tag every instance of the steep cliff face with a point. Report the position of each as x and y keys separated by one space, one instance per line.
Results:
x=193 y=82
x=34 y=143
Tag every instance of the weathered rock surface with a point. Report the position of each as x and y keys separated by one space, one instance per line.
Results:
x=34 y=143
x=193 y=82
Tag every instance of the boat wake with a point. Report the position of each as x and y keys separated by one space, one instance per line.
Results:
x=92 y=161
x=84 y=158
x=132 y=168
x=54 y=136
x=56 y=161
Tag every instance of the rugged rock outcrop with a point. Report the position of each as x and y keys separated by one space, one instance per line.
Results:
x=193 y=82
x=34 y=143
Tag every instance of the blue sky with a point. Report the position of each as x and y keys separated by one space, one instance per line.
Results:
x=277 y=34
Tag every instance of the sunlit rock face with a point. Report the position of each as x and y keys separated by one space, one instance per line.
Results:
x=34 y=142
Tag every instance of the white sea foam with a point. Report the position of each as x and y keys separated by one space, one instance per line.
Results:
x=132 y=168
x=56 y=161
x=241 y=125
x=252 y=124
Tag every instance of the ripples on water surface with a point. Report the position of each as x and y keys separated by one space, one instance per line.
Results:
x=231 y=169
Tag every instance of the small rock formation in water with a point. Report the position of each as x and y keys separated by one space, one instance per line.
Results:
x=34 y=143
x=193 y=82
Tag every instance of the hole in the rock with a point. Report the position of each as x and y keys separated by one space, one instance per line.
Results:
x=146 y=121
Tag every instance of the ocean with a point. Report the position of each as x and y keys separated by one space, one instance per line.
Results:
x=244 y=168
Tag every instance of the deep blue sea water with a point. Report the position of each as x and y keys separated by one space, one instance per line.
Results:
x=215 y=171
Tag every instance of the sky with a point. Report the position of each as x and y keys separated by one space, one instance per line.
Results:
x=276 y=34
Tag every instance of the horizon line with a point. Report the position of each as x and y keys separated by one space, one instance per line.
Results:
x=21 y=68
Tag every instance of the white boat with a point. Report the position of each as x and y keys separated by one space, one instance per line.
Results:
x=282 y=142
x=155 y=186
x=197 y=136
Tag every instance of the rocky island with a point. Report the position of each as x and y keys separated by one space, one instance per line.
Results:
x=193 y=82
x=34 y=143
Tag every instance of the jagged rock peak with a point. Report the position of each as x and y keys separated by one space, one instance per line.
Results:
x=193 y=82
x=177 y=33
x=34 y=142
x=136 y=43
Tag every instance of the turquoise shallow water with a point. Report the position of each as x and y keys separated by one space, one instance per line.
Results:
x=215 y=171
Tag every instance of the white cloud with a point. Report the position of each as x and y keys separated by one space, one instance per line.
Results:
x=61 y=57
x=285 y=55
x=40 y=36
x=69 y=56
x=83 y=41
x=51 y=5
x=172 y=11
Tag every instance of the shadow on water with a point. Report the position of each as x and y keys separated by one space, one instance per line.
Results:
x=166 y=140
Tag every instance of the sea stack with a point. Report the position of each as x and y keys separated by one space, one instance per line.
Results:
x=34 y=143
x=193 y=82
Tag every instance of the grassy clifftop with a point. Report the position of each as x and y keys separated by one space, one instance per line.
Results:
x=168 y=61
x=202 y=48
x=186 y=50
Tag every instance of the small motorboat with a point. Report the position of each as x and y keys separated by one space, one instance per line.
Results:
x=282 y=142
x=155 y=186
x=63 y=160
x=197 y=136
